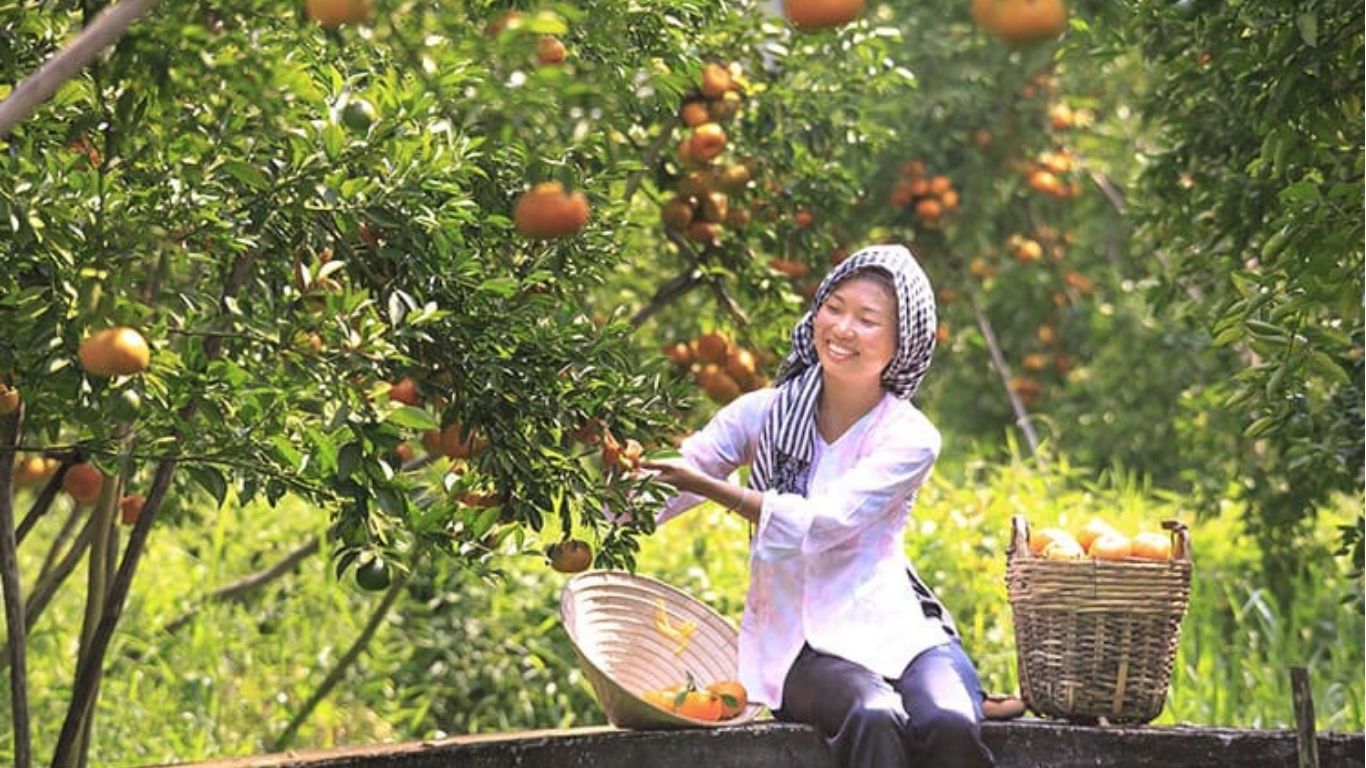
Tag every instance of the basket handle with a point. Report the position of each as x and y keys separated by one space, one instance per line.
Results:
x=1019 y=536
x=1181 y=539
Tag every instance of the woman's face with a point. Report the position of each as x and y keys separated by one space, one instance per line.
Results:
x=855 y=331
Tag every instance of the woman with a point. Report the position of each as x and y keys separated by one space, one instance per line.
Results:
x=838 y=630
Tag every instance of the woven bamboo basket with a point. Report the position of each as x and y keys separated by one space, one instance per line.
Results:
x=612 y=618
x=1095 y=639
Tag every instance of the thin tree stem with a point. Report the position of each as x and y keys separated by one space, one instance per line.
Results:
x=343 y=664
x=10 y=427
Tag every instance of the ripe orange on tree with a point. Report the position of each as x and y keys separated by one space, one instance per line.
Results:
x=707 y=141
x=809 y=15
x=570 y=556
x=83 y=482
x=9 y=399
x=1021 y=21
x=716 y=81
x=130 y=508
x=405 y=391
x=334 y=13
x=694 y=113
x=547 y=211
x=116 y=351
x=550 y=51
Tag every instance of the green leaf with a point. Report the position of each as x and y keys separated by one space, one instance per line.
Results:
x=247 y=174
x=1308 y=24
x=348 y=458
x=412 y=418
x=501 y=286
x=211 y=480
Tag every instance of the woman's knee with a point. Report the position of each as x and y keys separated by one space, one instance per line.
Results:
x=949 y=732
x=878 y=715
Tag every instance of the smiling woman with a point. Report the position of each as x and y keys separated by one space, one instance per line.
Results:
x=837 y=454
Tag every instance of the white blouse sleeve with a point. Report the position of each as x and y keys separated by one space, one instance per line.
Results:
x=791 y=525
x=726 y=443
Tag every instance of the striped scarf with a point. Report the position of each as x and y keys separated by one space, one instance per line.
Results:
x=783 y=457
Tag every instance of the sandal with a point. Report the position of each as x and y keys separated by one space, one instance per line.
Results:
x=1001 y=706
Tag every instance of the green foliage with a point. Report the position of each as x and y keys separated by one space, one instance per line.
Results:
x=1252 y=188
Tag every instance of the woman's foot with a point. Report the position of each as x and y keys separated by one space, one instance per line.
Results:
x=1000 y=706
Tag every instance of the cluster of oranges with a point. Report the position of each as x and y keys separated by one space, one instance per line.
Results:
x=1050 y=173
x=722 y=369
x=928 y=197
x=1099 y=540
x=721 y=700
x=701 y=204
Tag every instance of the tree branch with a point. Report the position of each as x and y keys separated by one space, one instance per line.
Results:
x=667 y=294
x=43 y=502
x=10 y=427
x=37 y=88
x=90 y=667
x=238 y=589
x=998 y=360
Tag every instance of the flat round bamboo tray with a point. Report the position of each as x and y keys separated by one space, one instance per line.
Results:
x=614 y=621
x=1095 y=639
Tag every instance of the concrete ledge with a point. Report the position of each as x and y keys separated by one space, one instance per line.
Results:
x=1026 y=743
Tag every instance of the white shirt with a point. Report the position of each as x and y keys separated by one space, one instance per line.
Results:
x=830 y=568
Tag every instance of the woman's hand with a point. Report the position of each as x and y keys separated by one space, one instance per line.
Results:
x=676 y=473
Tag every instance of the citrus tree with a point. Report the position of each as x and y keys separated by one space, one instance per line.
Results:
x=264 y=251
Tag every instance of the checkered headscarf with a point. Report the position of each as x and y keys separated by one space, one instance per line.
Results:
x=784 y=453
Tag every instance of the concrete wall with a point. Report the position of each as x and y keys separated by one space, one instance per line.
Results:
x=1023 y=743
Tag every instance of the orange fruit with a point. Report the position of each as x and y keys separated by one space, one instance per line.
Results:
x=929 y=210
x=715 y=207
x=116 y=351
x=1110 y=546
x=733 y=697
x=1092 y=530
x=678 y=353
x=549 y=51
x=676 y=213
x=83 y=482
x=334 y=13
x=715 y=81
x=701 y=705
x=804 y=218
x=130 y=508
x=807 y=15
x=708 y=140
x=741 y=365
x=694 y=113
x=719 y=386
x=1021 y=21
x=547 y=211
x=570 y=556
x=1151 y=545
x=1063 y=549
x=1040 y=539
x=456 y=444
x=703 y=231
x=9 y=399
x=712 y=347
x=405 y=391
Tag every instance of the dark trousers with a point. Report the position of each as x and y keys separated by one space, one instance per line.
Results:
x=929 y=716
